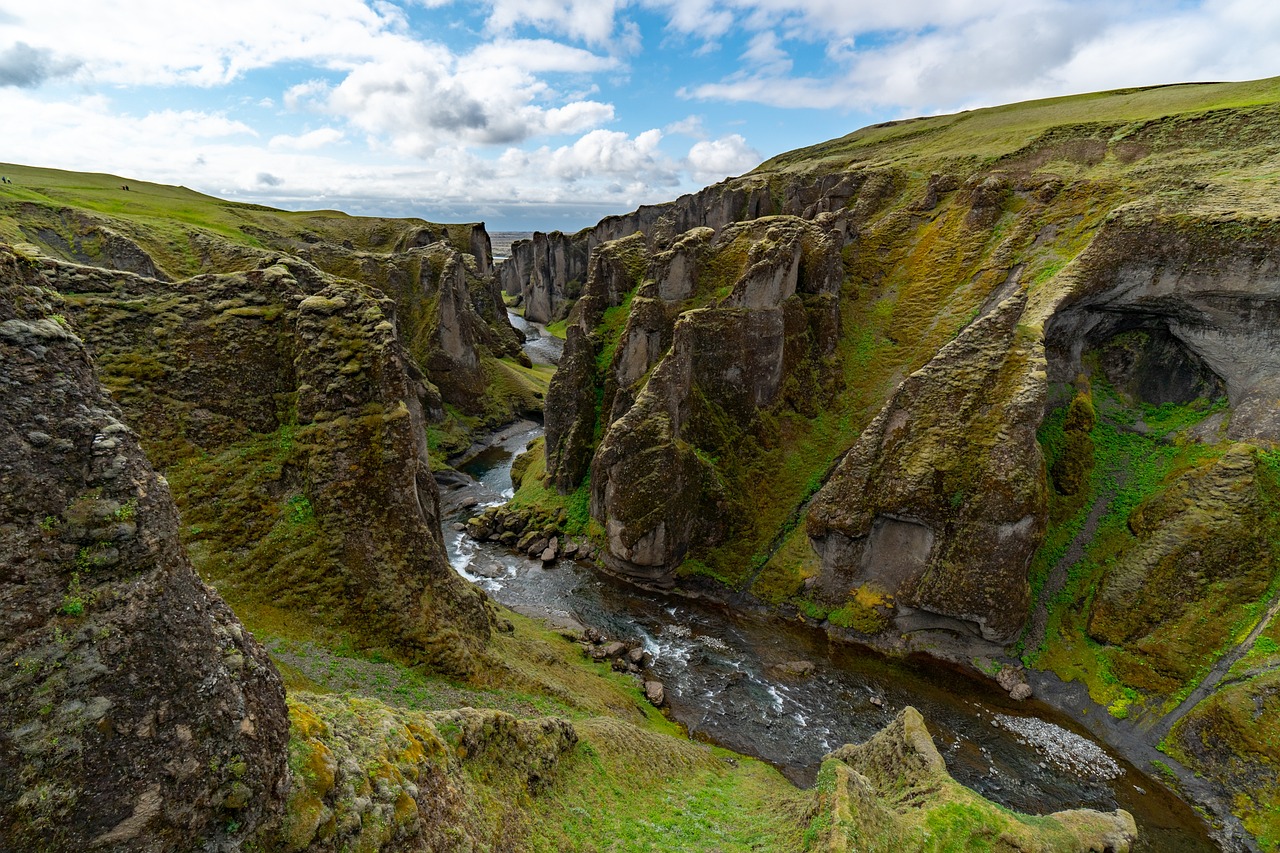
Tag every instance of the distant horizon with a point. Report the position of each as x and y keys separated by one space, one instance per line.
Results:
x=552 y=115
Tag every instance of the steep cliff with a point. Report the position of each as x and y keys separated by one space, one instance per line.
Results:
x=1034 y=410
x=452 y=317
x=137 y=713
x=290 y=419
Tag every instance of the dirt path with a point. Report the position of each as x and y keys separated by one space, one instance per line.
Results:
x=1058 y=574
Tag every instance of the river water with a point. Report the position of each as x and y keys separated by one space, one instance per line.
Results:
x=720 y=669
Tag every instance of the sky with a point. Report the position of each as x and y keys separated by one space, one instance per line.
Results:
x=549 y=114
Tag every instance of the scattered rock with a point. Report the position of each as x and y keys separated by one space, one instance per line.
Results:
x=798 y=668
x=636 y=655
x=1014 y=680
x=655 y=693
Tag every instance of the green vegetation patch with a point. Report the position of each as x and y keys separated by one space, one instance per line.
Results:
x=1164 y=585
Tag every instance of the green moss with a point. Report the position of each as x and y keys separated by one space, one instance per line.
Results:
x=571 y=512
x=1137 y=625
x=867 y=611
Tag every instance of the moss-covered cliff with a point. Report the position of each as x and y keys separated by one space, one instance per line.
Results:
x=1030 y=415
x=286 y=400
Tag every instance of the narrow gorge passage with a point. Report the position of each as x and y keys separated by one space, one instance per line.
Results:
x=727 y=677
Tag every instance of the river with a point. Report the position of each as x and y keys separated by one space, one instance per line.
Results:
x=720 y=669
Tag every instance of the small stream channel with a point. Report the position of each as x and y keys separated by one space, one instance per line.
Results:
x=721 y=672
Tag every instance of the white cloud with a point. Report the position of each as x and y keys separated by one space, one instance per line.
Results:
x=307 y=141
x=717 y=159
x=536 y=55
x=419 y=99
x=191 y=124
x=915 y=56
x=614 y=154
x=687 y=126
x=141 y=42
x=765 y=54
x=695 y=17
x=591 y=21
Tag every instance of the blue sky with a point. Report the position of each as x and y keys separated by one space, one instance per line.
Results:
x=543 y=114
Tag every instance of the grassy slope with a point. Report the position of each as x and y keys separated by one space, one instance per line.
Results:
x=987 y=134
x=161 y=218
x=633 y=777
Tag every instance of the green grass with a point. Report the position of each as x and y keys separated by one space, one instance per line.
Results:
x=162 y=219
x=988 y=134
x=628 y=791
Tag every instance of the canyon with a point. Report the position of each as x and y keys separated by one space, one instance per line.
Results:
x=996 y=388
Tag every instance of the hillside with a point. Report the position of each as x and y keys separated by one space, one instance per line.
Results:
x=996 y=387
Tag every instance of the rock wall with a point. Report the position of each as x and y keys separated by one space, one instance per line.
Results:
x=941 y=503
x=717 y=328
x=138 y=713
x=293 y=423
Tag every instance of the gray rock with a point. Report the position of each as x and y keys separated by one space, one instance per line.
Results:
x=655 y=693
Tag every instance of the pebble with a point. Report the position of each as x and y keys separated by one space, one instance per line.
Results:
x=1067 y=750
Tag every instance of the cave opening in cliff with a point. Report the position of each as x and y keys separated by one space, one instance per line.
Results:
x=1145 y=362
x=1140 y=356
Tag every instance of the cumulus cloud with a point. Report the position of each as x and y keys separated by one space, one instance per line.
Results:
x=591 y=21
x=717 y=159
x=614 y=154
x=421 y=98
x=307 y=141
x=916 y=56
x=26 y=67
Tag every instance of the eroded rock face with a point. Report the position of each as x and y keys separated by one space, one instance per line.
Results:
x=342 y=514
x=684 y=380
x=941 y=503
x=549 y=271
x=138 y=714
x=1208 y=304
x=571 y=410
